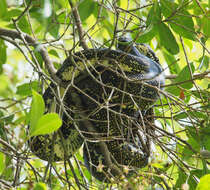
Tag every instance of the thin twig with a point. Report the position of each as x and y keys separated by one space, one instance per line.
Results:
x=78 y=22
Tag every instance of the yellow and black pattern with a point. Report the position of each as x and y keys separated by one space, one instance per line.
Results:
x=107 y=88
x=127 y=148
x=132 y=152
x=127 y=45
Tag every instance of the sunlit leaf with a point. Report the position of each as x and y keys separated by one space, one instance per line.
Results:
x=48 y=123
x=2 y=162
x=38 y=58
x=86 y=8
x=26 y=88
x=3 y=54
x=12 y=14
x=180 y=20
x=37 y=109
x=53 y=52
x=171 y=60
x=24 y=25
x=206 y=25
x=3 y=5
x=185 y=75
x=147 y=35
x=40 y=186
x=204 y=183
x=154 y=15
x=54 y=30
x=167 y=38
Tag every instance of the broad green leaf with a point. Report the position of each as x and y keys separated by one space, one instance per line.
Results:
x=86 y=8
x=53 y=52
x=167 y=39
x=53 y=29
x=206 y=26
x=181 y=115
x=2 y=162
x=181 y=179
x=173 y=90
x=12 y=14
x=63 y=17
x=195 y=114
x=154 y=16
x=185 y=75
x=147 y=35
x=204 y=94
x=103 y=12
x=206 y=140
x=204 y=183
x=171 y=60
x=26 y=88
x=180 y=20
x=3 y=54
x=204 y=62
x=48 y=123
x=40 y=186
x=3 y=5
x=23 y=25
x=38 y=58
x=37 y=109
x=37 y=14
x=109 y=27
x=9 y=119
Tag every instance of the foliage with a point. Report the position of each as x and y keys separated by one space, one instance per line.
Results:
x=178 y=32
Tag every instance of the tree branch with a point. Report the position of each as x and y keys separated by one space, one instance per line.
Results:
x=40 y=48
x=79 y=25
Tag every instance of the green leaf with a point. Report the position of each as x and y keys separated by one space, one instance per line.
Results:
x=24 y=26
x=3 y=54
x=2 y=162
x=184 y=26
x=180 y=20
x=109 y=27
x=181 y=179
x=147 y=35
x=38 y=58
x=204 y=94
x=86 y=8
x=167 y=39
x=185 y=75
x=154 y=15
x=53 y=52
x=37 y=109
x=204 y=183
x=26 y=88
x=63 y=17
x=193 y=114
x=54 y=30
x=48 y=123
x=40 y=186
x=11 y=14
x=171 y=60
x=204 y=62
x=206 y=26
x=3 y=5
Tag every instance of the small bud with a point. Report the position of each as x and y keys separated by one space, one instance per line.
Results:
x=205 y=153
x=185 y=186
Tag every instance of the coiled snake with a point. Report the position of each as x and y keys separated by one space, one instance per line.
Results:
x=108 y=90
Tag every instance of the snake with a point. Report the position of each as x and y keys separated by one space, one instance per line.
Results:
x=134 y=150
x=103 y=88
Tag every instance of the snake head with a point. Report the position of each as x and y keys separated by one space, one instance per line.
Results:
x=154 y=70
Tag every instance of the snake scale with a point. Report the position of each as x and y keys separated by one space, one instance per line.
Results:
x=110 y=91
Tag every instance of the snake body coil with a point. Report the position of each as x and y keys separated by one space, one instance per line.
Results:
x=134 y=150
x=104 y=90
